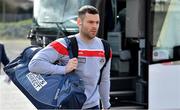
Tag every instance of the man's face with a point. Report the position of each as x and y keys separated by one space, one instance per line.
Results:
x=89 y=25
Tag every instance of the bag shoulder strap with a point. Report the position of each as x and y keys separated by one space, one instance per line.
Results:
x=107 y=56
x=72 y=46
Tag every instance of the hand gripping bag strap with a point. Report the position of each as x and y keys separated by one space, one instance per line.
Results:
x=107 y=56
x=72 y=47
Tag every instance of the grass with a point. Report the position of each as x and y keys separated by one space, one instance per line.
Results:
x=19 y=23
x=10 y=30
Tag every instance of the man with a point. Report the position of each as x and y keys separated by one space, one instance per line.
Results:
x=3 y=57
x=90 y=59
x=4 y=60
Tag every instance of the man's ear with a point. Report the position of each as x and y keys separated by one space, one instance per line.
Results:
x=79 y=21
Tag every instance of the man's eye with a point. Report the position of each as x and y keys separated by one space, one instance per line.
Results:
x=90 y=22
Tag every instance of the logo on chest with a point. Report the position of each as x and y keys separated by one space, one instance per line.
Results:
x=81 y=60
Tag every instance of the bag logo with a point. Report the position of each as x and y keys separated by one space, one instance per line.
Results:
x=36 y=80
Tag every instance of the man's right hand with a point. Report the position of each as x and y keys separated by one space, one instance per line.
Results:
x=71 y=65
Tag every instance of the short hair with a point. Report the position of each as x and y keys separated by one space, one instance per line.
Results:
x=87 y=9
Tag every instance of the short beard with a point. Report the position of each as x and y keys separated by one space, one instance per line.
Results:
x=87 y=35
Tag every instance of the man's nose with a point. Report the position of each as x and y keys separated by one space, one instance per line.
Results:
x=95 y=25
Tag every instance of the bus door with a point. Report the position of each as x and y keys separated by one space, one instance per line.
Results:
x=125 y=27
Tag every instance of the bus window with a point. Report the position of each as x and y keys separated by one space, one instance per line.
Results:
x=166 y=28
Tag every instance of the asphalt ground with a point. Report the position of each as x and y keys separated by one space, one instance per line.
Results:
x=11 y=98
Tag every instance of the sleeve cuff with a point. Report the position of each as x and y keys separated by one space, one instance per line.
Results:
x=61 y=70
x=106 y=105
